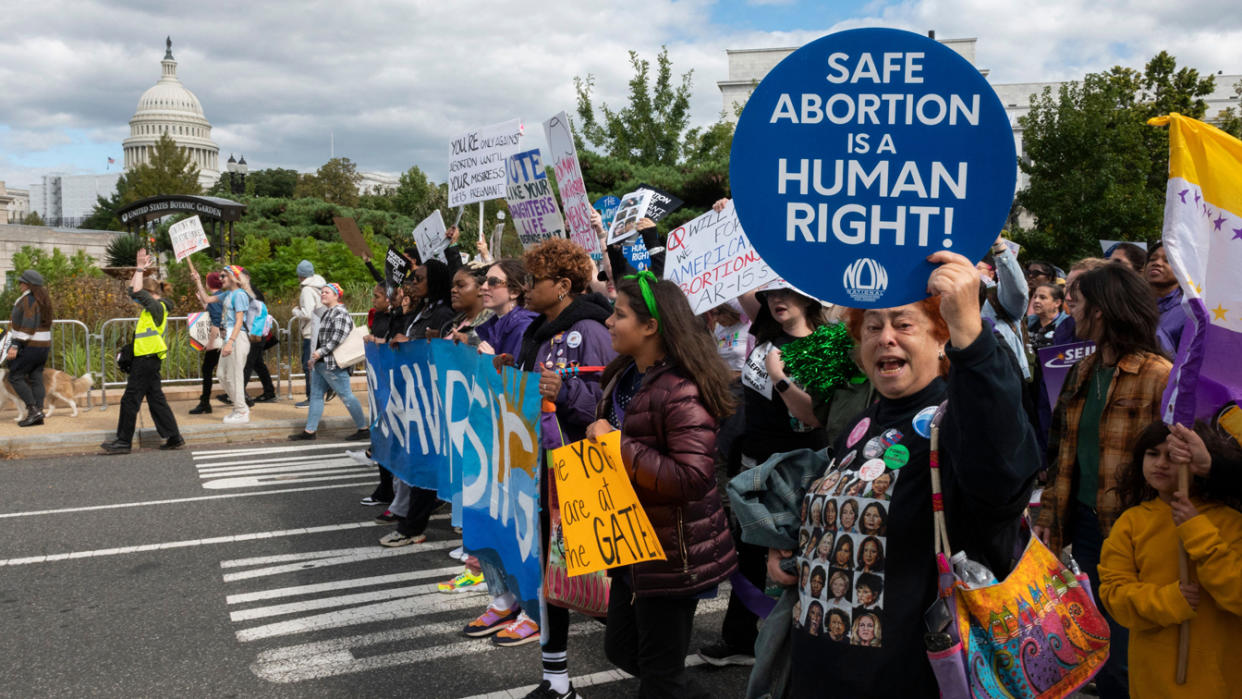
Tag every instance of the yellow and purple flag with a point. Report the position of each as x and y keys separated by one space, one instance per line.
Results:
x=1203 y=243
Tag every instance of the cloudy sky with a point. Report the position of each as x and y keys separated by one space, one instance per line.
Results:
x=394 y=80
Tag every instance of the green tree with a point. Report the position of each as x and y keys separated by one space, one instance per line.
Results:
x=33 y=219
x=417 y=196
x=272 y=182
x=170 y=170
x=1097 y=170
x=336 y=182
x=648 y=130
x=103 y=216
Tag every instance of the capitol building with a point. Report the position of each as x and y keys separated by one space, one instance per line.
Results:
x=170 y=108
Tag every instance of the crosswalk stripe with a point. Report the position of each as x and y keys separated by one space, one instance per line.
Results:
x=252 y=451
x=217 y=467
x=424 y=605
x=592 y=680
x=362 y=554
x=252 y=481
x=247 y=468
x=337 y=601
x=315 y=588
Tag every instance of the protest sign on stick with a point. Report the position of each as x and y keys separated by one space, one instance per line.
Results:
x=661 y=204
x=348 y=228
x=603 y=522
x=431 y=237
x=396 y=266
x=477 y=161
x=564 y=159
x=607 y=208
x=633 y=207
x=712 y=260
x=530 y=199
x=637 y=255
x=863 y=153
x=188 y=237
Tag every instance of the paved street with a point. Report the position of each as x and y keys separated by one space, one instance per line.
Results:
x=247 y=572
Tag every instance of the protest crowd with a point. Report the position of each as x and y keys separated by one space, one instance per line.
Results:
x=808 y=460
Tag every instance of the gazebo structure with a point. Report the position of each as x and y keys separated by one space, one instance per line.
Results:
x=217 y=215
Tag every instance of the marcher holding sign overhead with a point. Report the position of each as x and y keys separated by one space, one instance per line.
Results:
x=666 y=391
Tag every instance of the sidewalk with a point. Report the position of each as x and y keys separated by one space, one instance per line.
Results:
x=62 y=434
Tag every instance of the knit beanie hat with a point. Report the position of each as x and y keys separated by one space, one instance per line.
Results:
x=305 y=269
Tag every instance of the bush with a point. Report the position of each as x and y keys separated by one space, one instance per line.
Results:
x=124 y=249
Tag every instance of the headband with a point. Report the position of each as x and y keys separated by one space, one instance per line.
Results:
x=335 y=287
x=645 y=280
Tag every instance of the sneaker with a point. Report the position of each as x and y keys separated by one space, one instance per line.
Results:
x=173 y=443
x=203 y=407
x=329 y=395
x=490 y=621
x=265 y=398
x=360 y=456
x=395 y=539
x=302 y=404
x=224 y=398
x=522 y=631
x=545 y=691
x=371 y=500
x=237 y=418
x=458 y=554
x=464 y=581
x=249 y=402
x=722 y=654
x=387 y=518
x=302 y=436
x=359 y=436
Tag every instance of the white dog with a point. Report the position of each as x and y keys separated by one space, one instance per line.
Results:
x=56 y=384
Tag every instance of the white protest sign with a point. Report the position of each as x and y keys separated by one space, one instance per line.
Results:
x=564 y=159
x=188 y=237
x=633 y=207
x=477 y=161
x=431 y=237
x=712 y=260
x=530 y=199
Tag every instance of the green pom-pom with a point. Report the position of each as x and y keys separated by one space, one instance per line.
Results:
x=822 y=361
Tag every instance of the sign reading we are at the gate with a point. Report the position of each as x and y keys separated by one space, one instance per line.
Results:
x=603 y=522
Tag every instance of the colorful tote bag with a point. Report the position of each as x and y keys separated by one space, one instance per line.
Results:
x=1037 y=633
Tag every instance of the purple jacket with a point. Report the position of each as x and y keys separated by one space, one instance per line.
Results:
x=504 y=333
x=577 y=336
x=1172 y=319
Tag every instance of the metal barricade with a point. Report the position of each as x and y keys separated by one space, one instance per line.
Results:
x=291 y=337
x=70 y=351
x=182 y=365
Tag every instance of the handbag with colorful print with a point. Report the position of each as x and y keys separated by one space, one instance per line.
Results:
x=1035 y=634
x=587 y=593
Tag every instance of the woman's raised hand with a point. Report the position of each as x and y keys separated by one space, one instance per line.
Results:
x=956 y=282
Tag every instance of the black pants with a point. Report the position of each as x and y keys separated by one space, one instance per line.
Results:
x=384 y=490
x=144 y=382
x=26 y=375
x=648 y=637
x=741 y=626
x=256 y=365
x=422 y=502
x=211 y=358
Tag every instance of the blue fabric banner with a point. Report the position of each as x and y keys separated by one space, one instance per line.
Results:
x=447 y=421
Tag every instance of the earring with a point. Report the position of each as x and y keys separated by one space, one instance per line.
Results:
x=941 y=357
x=561 y=297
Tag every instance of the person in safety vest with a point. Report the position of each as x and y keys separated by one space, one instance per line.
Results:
x=144 y=374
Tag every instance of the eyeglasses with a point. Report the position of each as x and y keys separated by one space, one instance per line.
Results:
x=495 y=281
x=1038 y=273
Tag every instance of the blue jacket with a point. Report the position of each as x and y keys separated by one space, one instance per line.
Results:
x=504 y=333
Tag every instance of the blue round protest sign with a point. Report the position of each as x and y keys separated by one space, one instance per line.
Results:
x=864 y=152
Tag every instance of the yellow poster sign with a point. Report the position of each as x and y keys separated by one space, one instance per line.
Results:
x=603 y=523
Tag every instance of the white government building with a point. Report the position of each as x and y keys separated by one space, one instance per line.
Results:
x=749 y=66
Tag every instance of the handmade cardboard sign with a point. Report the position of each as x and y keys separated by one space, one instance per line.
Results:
x=564 y=159
x=603 y=522
x=864 y=152
x=431 y=237
x=633 y=208
x=712 y=260
x=662 y=203
x=188 y=237
x=530 y=199
x=477 y=162
x=348 y=228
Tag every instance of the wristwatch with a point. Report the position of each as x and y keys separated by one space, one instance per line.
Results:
x=782 y=385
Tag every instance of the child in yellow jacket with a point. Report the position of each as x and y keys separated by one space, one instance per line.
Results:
x=1139 y=577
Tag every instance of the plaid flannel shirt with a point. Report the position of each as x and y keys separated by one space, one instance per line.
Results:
x=1132 y=403
x=334 y=326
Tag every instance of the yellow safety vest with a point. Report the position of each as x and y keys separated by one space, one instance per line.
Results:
x=148 y=337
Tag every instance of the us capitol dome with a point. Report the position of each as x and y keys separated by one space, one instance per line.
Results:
x=169 y=108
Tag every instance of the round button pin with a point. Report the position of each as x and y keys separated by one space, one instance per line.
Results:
x=896 y=456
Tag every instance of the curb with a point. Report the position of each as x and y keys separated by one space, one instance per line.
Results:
x=75 y=443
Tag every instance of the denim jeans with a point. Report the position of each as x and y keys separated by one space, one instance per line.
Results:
x=323 y=378
x=494 y=577
x=1113 y=679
